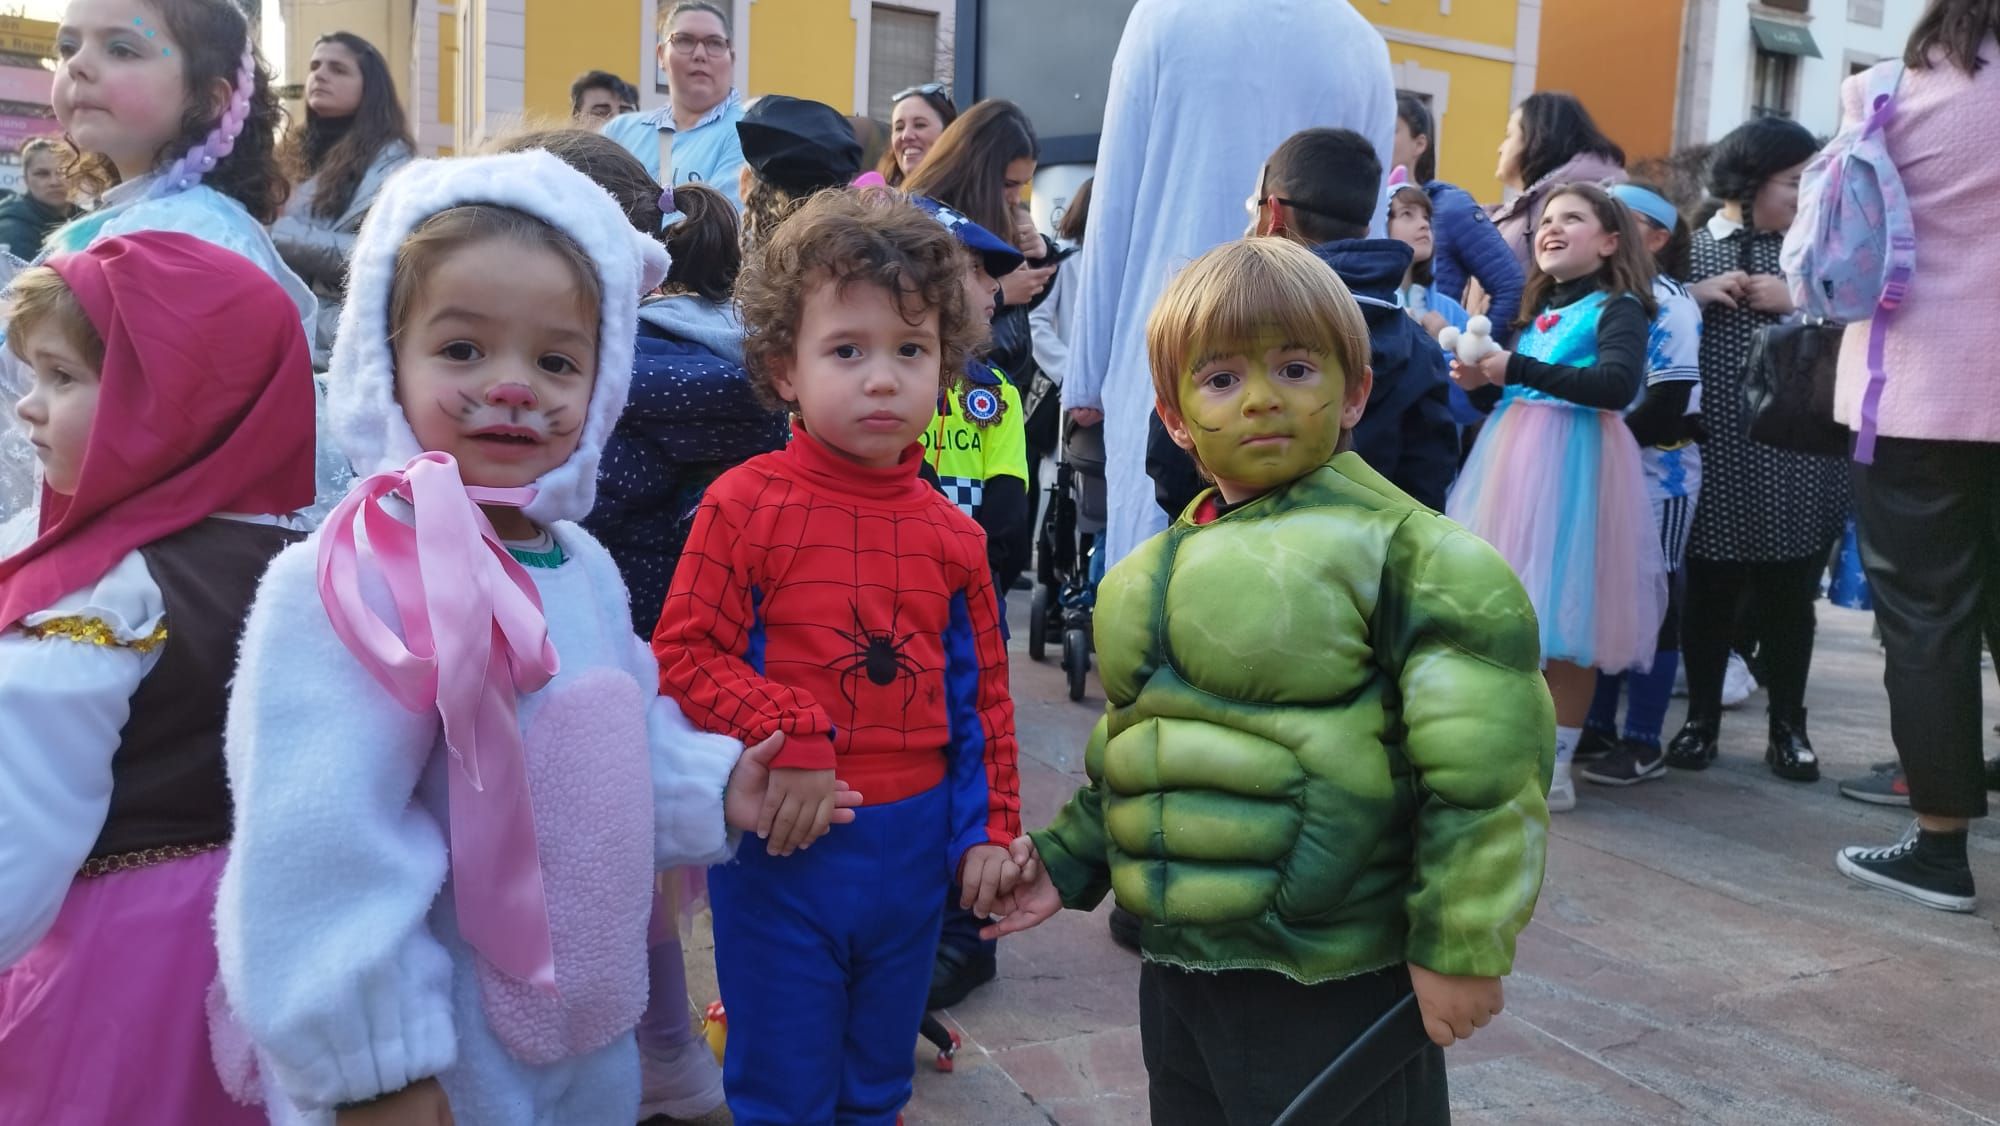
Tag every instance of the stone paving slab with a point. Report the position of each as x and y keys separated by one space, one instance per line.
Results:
x=1695 y=957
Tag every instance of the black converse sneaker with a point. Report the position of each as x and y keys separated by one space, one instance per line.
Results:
x=1631 y=763
x=1927 y=867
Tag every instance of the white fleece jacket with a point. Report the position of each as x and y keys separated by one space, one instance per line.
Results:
x=337 y=952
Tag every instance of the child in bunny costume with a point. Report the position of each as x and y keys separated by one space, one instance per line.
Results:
x=453 y=778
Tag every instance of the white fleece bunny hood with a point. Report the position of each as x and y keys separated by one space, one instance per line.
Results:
x=367 y=422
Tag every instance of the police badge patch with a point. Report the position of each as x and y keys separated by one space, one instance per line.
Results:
x=982 y=405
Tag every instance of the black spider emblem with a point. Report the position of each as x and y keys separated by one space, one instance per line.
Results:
x=878 y=655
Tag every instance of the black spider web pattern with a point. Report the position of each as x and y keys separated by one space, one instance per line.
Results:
x=831 y=572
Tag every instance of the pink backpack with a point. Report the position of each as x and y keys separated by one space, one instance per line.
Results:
x=1852 y=251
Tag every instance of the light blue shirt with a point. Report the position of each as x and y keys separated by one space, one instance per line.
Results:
x=709 y=153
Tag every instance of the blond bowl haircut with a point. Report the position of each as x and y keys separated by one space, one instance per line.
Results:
x=1226 y=297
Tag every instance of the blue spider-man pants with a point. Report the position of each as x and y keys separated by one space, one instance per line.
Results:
x=824 y=959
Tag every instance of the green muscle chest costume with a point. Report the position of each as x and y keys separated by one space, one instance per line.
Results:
x=1327 y=742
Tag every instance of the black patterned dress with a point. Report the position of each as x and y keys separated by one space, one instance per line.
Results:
x=1758 y=503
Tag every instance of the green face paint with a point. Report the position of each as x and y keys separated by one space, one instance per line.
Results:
x=1262 y=414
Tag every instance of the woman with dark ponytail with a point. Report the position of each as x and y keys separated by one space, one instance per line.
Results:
x=1767 y=517
x=353 y=136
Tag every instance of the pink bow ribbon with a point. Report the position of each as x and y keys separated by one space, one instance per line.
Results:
x=476 y=641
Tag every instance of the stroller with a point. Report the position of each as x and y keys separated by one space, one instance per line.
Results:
x=1066 y=555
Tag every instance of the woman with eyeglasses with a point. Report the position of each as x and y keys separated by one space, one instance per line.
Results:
x=353 y=136
x=918 y=117
x=691 y=139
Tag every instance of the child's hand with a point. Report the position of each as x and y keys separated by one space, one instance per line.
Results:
x=798 y=807
x=986 y=874
x=1026 y=859
x=1032 y=902
x=420 y=1104
x=749 y=786
x=1454 y=1006
x=1476 y=300
x=1491 y=369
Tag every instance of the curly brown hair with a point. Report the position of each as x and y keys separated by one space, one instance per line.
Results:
x=844 y=237
x=211 y=35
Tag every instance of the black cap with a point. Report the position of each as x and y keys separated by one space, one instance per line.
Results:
x=799 y=146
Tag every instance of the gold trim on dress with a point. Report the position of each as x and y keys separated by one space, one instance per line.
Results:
x=94 y=631
x=143 y=858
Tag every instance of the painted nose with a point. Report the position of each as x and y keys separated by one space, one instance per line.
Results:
x=510 y=395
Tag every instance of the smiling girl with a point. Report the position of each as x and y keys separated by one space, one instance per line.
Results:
x=1555 y=482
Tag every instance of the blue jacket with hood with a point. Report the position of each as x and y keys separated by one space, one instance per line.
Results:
x=1407 y=434
x=691 y=415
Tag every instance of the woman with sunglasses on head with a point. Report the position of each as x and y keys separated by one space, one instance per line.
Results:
x=918 y=117
x=691 y=139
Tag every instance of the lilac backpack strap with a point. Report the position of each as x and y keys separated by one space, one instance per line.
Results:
x=1902 y=267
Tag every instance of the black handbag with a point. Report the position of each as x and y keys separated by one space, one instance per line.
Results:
x=1788 y=387
x=1788 y=382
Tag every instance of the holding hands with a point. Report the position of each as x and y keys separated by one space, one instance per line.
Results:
x=1031 y=901
x=789 y=809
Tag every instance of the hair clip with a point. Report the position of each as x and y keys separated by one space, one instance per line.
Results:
x=670 y=202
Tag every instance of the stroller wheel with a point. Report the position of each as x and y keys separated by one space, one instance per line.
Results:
x=1076 y=660
x=1038 y=624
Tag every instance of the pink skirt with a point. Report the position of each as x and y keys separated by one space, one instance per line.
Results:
x=1559 y=490
x=105 y=1020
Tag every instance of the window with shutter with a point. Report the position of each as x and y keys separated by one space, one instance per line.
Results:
x=902 y=52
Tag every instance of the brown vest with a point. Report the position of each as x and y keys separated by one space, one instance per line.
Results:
x=168 y=786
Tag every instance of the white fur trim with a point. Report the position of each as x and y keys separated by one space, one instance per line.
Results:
x=361 y=393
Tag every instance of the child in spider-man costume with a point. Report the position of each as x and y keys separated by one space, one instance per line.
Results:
x=829 y=594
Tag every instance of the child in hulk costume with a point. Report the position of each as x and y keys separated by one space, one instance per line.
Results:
x=1320 y=777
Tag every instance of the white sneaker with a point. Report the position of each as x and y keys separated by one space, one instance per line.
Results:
x=682 y=1083
x=1737 y=683
x=1562 y=791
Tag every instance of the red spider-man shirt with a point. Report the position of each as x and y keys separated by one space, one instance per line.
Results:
x=850 y=608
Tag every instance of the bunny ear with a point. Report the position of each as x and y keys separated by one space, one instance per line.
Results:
x=1399 y=175
x=653 y=262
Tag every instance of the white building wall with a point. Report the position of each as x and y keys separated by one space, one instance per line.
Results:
x=1842 y=42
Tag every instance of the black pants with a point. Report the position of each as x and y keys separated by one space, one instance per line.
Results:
x=1234 y=1048
x=1781 y=597
x=1930 y=540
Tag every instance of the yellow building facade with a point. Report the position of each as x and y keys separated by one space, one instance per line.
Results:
x=469 y=68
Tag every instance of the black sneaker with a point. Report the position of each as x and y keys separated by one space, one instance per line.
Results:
x=1631 y=763
x=1879 y=787
x=1594 y=744
x=1911 y=868
x=958 y=971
